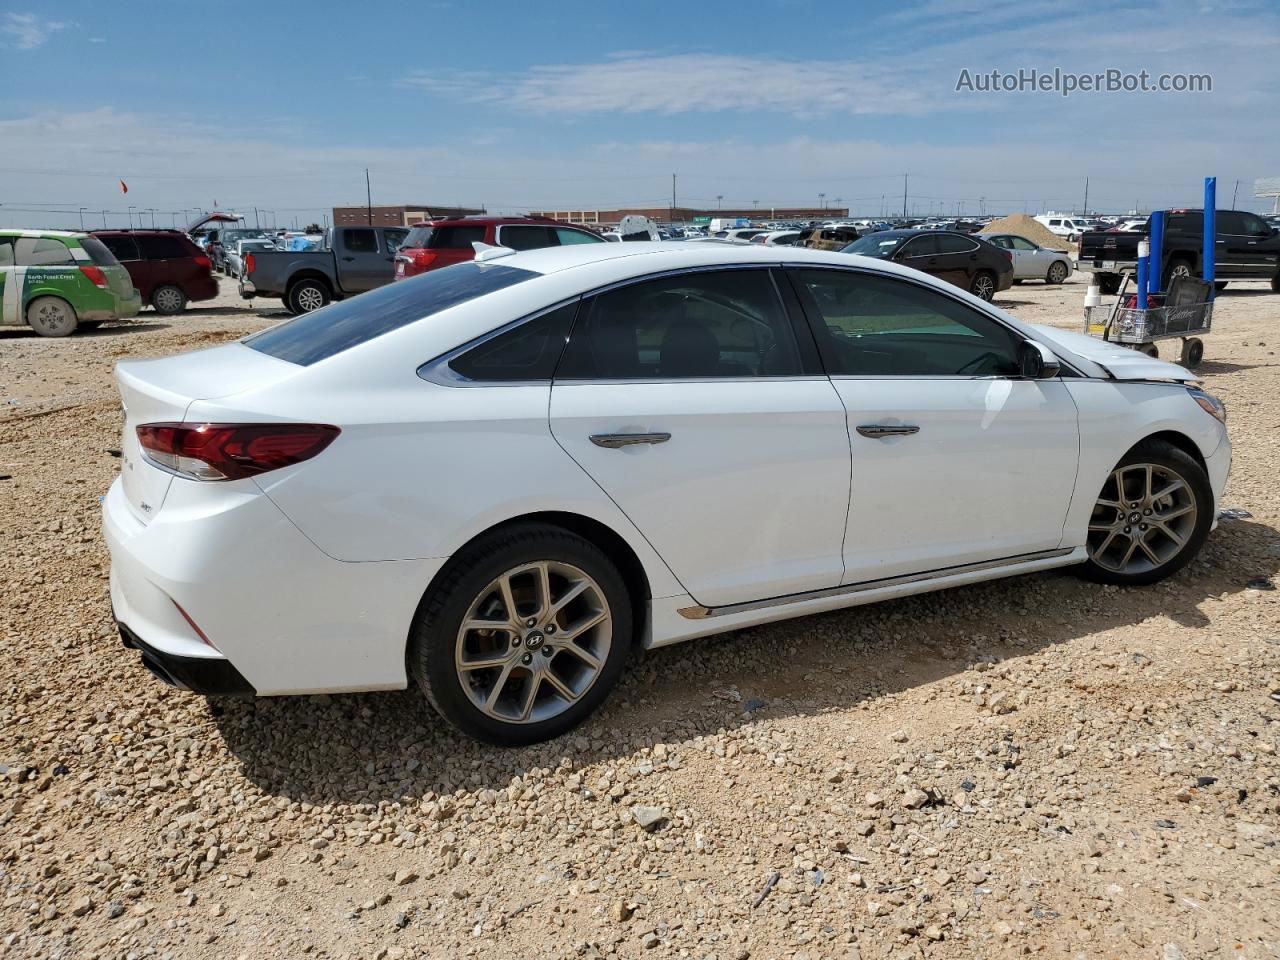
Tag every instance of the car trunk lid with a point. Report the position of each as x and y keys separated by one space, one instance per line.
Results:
x=162 y=391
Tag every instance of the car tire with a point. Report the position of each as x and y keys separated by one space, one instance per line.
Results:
x=1220 y=285
x=983 y=285
x=168 y=300
x=1108 y=283
x=91 y=324
x=307 y=295
x=1192 y=352
x=1057 y=273
x=1016 y=283
x=1275 y=283
x=1178 y=267
x=522 y=694
x=51 y=317
x=1190 y=503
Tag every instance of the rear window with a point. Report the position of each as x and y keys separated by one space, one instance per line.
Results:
x=349 y=323
x=418 y=238
x=456 y=238
x=98 y=252
x=43 y=252
x=161 y=246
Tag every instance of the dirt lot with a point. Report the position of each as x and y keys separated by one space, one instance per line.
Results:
x=1030 y=767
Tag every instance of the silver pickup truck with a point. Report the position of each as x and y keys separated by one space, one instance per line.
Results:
x=351 y=260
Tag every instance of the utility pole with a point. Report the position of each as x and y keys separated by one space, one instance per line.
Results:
x=82 y=214
x=256 y=223
x=368 y=196
x=904 y=194
x=719 y=197
x=1233 y=194
x=1085 y=210
x=822 y=200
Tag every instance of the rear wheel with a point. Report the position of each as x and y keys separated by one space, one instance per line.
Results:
x=1178 y=267
x=983 y=285
x=523 y=636
x=1057 y=272
x=168 y=300
x=307 y=295
x=1150 y=518
x=51 y=317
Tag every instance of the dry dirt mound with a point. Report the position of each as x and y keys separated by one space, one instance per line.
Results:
x=1029 y=227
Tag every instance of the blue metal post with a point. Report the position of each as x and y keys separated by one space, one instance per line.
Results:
x=1156 y=264
x=1144 y=257
x=1210 y=231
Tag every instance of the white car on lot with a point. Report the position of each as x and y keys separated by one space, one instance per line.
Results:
x=1030 y=260
x=494 y=479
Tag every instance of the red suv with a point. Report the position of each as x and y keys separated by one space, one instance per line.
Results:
x=440 y=243
x=166 y=266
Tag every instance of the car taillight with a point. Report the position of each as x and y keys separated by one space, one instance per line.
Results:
x=232 y=451
x=203 y=261
x=249 y=263
x=423 y=259
x=96 y=276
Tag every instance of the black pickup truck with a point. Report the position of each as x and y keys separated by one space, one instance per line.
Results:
x=1248 y=248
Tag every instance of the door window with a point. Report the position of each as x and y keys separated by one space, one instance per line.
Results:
x=360 y=241
x=881 y=326
x=1019 y=243
x=393 y=237
x=43 y=252
x=925 y=245
x=522 y=237
x=1254 y=226
x=456 y=238
x=950 y=243
x=727 y=324
x=161 y=247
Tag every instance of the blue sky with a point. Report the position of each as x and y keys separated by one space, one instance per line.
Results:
x=517 y=106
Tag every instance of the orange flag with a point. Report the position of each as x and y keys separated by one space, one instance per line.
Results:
x=124 y=187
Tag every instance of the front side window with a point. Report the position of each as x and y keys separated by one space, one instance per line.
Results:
x=529 y=351
x=725 y=323
x=1021 y=243
x=870 y=325
x=360 y=241
x=43 y=252
x=393 y=237
x=348 y=323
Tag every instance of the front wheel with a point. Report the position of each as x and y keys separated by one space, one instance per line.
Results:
x=168 y=300
x=51 y=317
x=1150 y=518
x=983 y=285
x=523 y=635
x=1057 y=272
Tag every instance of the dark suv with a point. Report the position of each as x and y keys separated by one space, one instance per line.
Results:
x=440 y=243
x=959 y=258
x=167 y=267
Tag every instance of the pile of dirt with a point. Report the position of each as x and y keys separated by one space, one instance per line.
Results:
x=1029 y=227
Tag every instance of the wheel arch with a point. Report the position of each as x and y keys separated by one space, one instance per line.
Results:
x=1176 y=439
x=309 y=274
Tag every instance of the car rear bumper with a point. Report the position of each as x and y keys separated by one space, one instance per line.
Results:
x=203 y=288
x=211 y=676
x=279 y=614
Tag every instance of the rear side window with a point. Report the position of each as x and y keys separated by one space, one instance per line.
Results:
x=925 y=245
x=43 y=252
x=161 y=246
x=6 y=251
x=98 y=252
x=456 y=238
x=528 y=351
x=521 y=237
x=949 y=243
x=348 y=323
x=360 y=241
x=121 y=245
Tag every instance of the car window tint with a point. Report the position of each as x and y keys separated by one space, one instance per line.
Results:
x=1021 y=243
x=567 y=237
x=529 y=350
x=43 y=252
x=1254 y=225
x=360 y=241
x=882 y=326
x=521 y=237
x=6 y=251
x=98 y=252
x=693 y=325
x=1191 y=221
x=925 y=245
x=456 y=238
x=393 y=237
x=950 y=243
x=161 y=247
x=121 y=245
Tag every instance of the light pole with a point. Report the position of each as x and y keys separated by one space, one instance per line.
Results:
x=131 y=216
x=719 y=197
x=82 y=218
x=822 y=200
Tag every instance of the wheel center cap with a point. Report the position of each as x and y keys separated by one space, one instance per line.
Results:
x=1135 y=517
x=534 y=640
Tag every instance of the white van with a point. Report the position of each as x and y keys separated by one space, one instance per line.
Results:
x=1068 y=226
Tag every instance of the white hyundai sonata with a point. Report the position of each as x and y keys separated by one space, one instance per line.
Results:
x=498 y=477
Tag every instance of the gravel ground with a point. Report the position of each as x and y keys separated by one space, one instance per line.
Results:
x=1029 y=767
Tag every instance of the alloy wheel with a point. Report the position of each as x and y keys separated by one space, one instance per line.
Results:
x=1143 y=518
x=310 y=298
x=533 y=642
x=1057 y=273
x=984 y=287
x=167 y=300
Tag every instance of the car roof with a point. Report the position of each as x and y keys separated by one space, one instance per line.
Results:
x=496 y=222
x=73 y=234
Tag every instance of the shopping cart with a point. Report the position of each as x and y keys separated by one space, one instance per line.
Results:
x=1185 y=313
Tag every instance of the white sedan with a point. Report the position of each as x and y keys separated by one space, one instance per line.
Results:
x=495 y=479
x=1030 y=260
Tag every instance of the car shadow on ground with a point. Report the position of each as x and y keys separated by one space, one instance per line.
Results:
x=371 y=748
x=110 y=330
x=1226 y=366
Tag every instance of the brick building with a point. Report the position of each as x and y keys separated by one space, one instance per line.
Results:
x=404 y=215
x=690 y=214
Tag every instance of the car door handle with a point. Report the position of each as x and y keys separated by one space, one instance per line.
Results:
x=616 y=441
x=878 y=431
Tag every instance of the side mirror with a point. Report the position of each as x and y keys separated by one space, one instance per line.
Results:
x=1036 y=361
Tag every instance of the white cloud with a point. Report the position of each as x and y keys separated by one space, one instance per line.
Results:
x=29 y=30
x=97 y=39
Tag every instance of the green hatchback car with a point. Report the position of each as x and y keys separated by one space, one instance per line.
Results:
x=57 y=282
